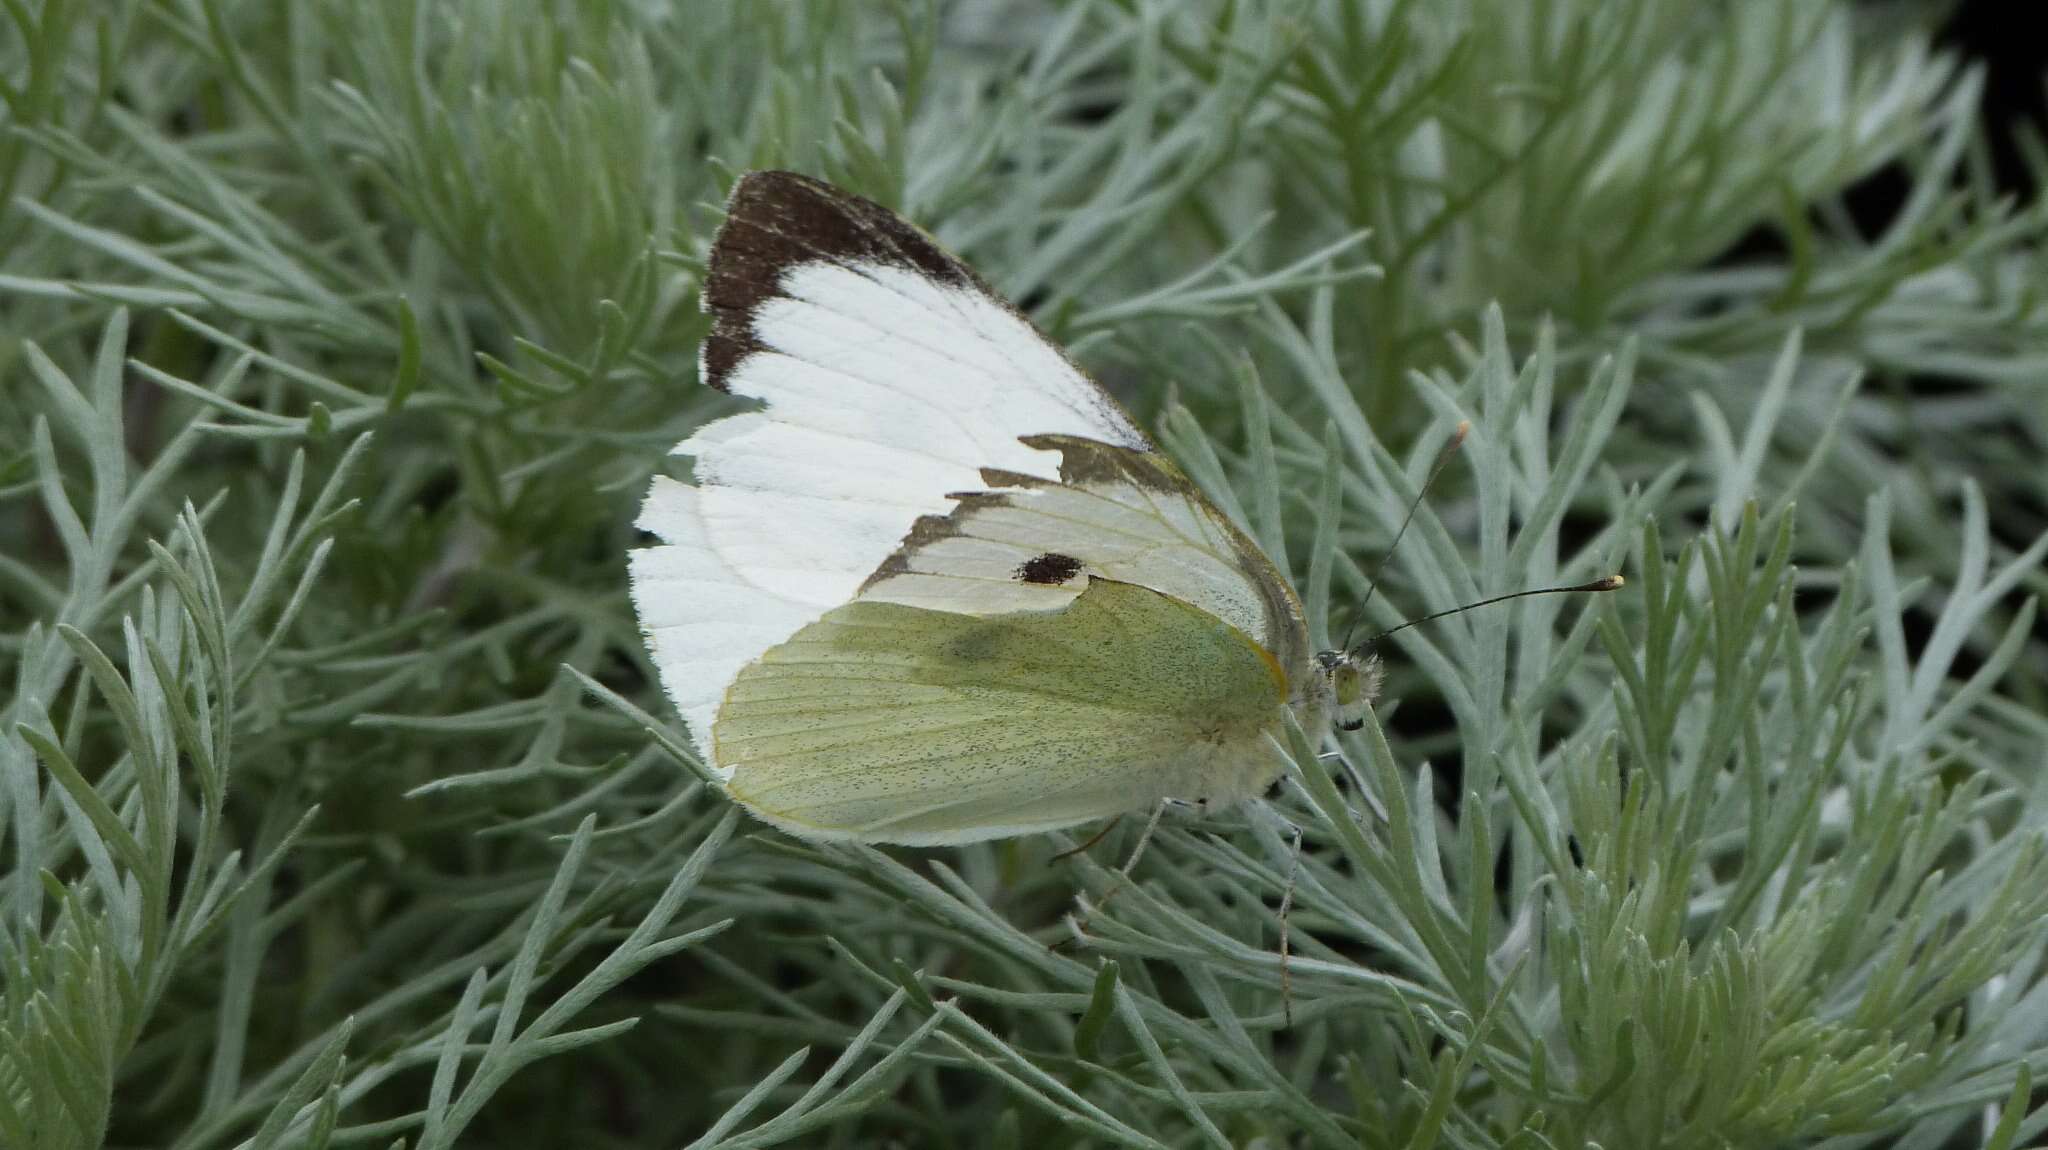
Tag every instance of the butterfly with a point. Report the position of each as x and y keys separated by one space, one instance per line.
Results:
x=939 y=587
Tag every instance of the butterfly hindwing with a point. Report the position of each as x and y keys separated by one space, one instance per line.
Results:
x=890 y=723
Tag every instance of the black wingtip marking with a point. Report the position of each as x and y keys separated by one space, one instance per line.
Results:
x=1050 y=569
x=776 y=220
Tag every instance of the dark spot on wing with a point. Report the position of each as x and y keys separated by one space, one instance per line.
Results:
x=1051 y=569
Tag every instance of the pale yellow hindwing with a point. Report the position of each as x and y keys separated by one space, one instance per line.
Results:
x=890 y=723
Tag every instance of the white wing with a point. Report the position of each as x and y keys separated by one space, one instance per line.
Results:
x=1121 y=514
x=890 y=377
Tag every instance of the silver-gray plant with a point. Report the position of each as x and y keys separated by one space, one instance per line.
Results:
x=338 y=805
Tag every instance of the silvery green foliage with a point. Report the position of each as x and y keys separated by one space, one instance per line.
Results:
x=337 y=804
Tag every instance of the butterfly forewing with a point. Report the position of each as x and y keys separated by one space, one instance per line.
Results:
x=889 y=378
x=1029 y=543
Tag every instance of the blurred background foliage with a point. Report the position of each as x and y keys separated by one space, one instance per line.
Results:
x=338 y=805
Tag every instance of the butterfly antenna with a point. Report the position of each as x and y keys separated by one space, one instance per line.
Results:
x=1373 y=583
x=1610 y=583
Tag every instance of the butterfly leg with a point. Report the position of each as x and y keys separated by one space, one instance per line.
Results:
x=1097 y=837
x=1287 y=904
x=1293 y=830
x=1123 y=873
x=1357 y=784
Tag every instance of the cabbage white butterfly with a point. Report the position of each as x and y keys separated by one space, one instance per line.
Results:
x=939 y=587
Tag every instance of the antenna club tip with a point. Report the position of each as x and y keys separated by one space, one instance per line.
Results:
x=1611 y=583
x=1464 y=429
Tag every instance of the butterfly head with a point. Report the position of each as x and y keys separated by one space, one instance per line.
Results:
x=1351 y=681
